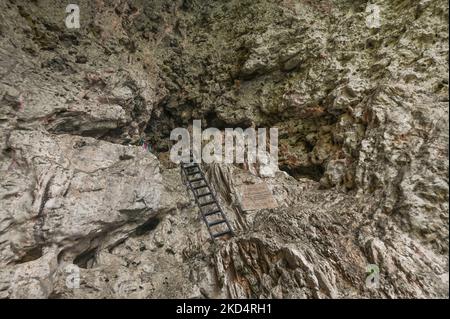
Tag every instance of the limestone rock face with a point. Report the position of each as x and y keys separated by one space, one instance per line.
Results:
x=358 y=91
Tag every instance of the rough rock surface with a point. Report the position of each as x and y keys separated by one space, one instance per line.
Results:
x=362 y=111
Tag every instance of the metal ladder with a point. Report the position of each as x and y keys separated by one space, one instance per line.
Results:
x=212 y=214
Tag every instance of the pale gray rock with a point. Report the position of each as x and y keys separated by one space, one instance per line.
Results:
x=362 y=113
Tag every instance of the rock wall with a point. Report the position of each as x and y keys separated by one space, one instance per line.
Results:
x=362 y=111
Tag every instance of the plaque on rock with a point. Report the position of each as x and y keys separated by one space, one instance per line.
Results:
x=257 y=196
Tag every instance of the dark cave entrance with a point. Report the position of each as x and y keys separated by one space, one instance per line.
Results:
x=86 y=259
x=314 y=172
x=166 y=118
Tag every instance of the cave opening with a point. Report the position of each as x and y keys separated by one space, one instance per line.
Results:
x=86 y=259
x=158 y=130
x=147 y=227
x=313 y=172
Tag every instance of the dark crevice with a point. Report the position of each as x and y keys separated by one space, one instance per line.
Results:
x=147 y=227
x=30 y=255
x=214 y=121
x=86 y=259
x=314 y=172
x=309 y=146
x=158 y=131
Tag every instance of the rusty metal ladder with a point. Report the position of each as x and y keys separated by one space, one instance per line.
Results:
x=212 y=214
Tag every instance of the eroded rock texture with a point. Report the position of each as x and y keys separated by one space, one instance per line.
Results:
x=362 y=110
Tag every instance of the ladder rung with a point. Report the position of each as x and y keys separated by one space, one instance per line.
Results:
x=192 y=169
x=203 y=195
x=217 y=222
x=208 y=203
x=212 y=213
x=222 y=233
